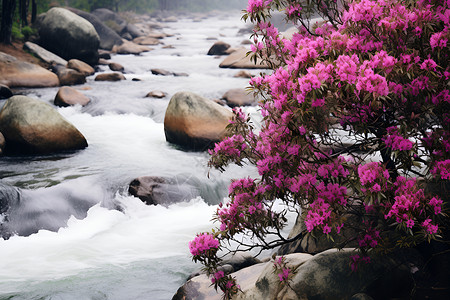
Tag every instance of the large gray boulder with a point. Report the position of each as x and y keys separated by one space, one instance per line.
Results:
x=194 y=122
x=68 y=35
x=108 y=37
x=111 y=19
x=34 y=127
x=16 y=73
x=325 y=276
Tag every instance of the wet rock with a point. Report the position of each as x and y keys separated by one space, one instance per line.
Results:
x=161 y=72
x=147 y=41
x=104 y=54
x=111 y=19
x=5 y=92
x=156 y=94
x=157 y=35
x=126 y=36
x=171 y=19
x=219 y=48
x=194 y=122
x=81 y=67
x=44 y=54
x=69 y=35
x=154 y=190
x=110 y=77
x=116 y=67
x=240 y=60
x=103 y=62
x=243 y=74
x=180 y=74
x=68 y=76
x=108 y=37
x=239 y=97
x=68 y=96
x=130 y=48
x=16 y=73
x=325 y=276
x=32 y=126
x=134 y=31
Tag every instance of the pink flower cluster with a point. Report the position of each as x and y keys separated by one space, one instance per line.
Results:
x=257 y=5
x=230 y=146
x=202 y=243
x=373 y=176
x=217 y=276
x=442 y=168
x=395 y=141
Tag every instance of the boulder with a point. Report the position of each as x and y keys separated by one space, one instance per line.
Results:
x=239 y=97
x=16 y=73
x=44 y=54
x=156 y=94
x=325 y=276
x=81 y=67
x=108 y=37
x=161 y=72
x=116 y=67
x=128 y=47
x=69 y=35
x=311 y=244
x=157 y=35
x=239 y=60
x=134 y=31
x=170 y=19
x=5 y=92
x=110 y=77
x=68 y=76
x=145 y=40
x=243 y=74
x=154 y=190
x=111 y=19
x=2 y=143
x=194 y=122
x=219 y=48
x=32 y=126
x=68 y=96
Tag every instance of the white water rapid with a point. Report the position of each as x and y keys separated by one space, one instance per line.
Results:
x=138 y=251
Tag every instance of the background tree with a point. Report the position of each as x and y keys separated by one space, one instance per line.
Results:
x=8 y=10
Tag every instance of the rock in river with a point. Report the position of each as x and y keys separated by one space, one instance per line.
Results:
x=34 y=127
x=194 y=122
x=69 y=35
x=67 y=96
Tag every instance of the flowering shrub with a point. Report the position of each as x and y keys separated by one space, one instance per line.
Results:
x=356 y=124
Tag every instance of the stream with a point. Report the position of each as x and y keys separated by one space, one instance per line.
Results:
x=72 y=241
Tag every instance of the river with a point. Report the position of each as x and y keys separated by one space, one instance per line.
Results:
x=85 y=248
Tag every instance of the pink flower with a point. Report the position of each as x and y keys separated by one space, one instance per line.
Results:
x=203 y=243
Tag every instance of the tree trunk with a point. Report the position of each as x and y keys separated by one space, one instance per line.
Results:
x=8 y=7
x=23 y=9
x=33 y=11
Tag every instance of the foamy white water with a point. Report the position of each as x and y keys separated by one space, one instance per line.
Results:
x=95 y=241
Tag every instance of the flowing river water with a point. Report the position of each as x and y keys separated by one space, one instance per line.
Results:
x=85 y=248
